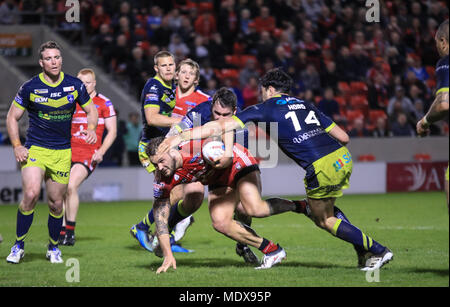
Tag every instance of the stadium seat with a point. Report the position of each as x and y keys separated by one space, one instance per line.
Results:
x=341 y=101
x=358 y=101
x=233 y=60
x=375 y=114
x=353 y=114
x=344 y=88
x=421 y=157
x=366 y=158
x=358 y=88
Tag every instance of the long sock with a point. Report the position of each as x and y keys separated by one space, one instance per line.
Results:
x=147 y=221
x=24 y=221
x=267 y=246
x=54 y=227
x=351 y=234
x=340 y=215
x=70 y=227
x=176 y=215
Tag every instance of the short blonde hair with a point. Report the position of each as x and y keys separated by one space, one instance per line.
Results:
x=86 y=71
x=162 y=54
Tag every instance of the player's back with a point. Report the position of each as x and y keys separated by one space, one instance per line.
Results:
x=302 y=128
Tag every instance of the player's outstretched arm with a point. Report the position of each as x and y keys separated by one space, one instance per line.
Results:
x=210 y=129
x=437 y=111
x=12 y=125
x=92 y=119
x=161 y=211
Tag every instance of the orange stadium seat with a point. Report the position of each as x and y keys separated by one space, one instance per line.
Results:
x=375 y=114
x=341 y=101
x=358 y=88
x=354 y=114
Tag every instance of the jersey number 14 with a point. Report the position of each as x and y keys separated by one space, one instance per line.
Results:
x=310 y=119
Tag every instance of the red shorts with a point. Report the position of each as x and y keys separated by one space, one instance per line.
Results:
x=83 y=157
x=243 y=164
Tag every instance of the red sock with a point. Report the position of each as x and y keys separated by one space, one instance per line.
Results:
x=270 y=247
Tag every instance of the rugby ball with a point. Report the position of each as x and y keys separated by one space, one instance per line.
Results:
x=212 y=151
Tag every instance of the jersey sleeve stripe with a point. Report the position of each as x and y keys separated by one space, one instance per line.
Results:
x=238 y=120
x=443 y=89
x=151 y=105
x=330 y=127
x=18 y=105
x=87 y=103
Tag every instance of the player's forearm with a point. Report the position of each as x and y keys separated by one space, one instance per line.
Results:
x=210 y=129
x=159 y=120
x=161 y=211
x=439 y=108
x=108 y=141
x=92 y=117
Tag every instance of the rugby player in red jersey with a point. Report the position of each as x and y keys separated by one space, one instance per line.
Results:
x=229 y=187
x=85 y=157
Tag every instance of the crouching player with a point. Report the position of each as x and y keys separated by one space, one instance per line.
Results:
x=239 y=183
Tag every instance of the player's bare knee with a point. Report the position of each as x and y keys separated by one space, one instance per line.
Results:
x=221 y=226
x=55 y=206
x=30 y=197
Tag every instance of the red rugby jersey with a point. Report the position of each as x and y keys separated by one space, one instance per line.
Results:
x=105 y=109
x=194 y=167
x=187 y=103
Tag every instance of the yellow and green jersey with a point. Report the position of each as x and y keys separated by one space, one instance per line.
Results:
x=156 y=94
x=50 y=109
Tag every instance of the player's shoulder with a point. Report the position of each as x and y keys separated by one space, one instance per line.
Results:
x=31 y=83
x=100 y=98
x=72 y=79
x=202 y=95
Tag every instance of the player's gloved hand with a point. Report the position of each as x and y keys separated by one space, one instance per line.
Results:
x=422 y=127
x=90 y=136
x=21 y=153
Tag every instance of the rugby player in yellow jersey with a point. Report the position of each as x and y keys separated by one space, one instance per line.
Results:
x=439 y=108
x=158 y=101
x=50 y=100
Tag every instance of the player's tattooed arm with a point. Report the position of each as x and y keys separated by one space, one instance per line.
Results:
x=161 y=210
x=439 y=108
x=437 y=111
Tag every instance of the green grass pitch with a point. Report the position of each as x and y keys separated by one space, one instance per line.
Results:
x=415 y=226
